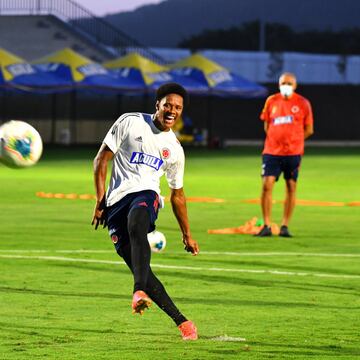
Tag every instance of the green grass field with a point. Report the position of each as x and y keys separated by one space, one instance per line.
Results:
x=65 y=294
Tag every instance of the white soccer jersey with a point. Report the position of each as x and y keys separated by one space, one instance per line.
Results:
x=142 y=154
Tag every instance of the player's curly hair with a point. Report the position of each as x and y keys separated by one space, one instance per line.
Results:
x=172 y=88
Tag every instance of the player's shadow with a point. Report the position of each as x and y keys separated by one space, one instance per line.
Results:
x=21 y=329
x=201 y=278
x=277 y=266
x=192 y=300
x=305 y=350
x=229 y=279
x=7 y=289
x=258 y=303
x=40 y=330
x=286 y=284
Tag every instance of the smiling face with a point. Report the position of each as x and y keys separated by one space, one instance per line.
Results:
x=168 y=110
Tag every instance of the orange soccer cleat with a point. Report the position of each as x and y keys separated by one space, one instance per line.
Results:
x=188 y=330
x=140 y=302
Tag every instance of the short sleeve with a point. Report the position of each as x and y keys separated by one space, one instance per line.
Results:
x=264 y=116
x=114 y=137
x=309 y=118
x=175 y=171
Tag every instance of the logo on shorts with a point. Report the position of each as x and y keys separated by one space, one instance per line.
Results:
x=114 y=239
x=165 y=153
x=146 y=159
x=295 y=109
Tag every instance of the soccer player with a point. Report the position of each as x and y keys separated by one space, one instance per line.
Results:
x=288 y=121
x=142 y=147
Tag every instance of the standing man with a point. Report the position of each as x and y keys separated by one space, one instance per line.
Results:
x=142 y=147
x=288 y=121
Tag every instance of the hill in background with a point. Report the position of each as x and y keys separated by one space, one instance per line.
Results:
x=168 y=23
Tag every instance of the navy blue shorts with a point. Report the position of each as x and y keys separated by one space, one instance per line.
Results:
x=274 y=165
x=117 y=214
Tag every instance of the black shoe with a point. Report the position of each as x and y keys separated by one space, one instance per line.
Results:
x=284 y=231
x=265 y=231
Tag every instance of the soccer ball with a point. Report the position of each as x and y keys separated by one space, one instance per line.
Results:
x=21 y=145
x=157 y=241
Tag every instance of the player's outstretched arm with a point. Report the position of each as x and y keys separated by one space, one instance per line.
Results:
x=101 y=160
x=178 y=203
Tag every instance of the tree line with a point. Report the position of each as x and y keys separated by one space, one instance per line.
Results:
x=276 y=38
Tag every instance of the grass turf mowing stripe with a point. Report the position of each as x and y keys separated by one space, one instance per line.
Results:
x=228 y=253
x=194 y=268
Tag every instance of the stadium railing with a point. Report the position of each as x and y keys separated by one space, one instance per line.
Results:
x=101 y=32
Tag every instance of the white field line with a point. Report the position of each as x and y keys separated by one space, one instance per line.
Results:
x=228 y=338
x=222 y=253
x=191 y=268
x=278 y=254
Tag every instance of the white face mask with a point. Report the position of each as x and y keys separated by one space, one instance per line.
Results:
x=286 y=90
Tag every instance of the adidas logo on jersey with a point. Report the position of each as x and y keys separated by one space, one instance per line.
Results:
x=139 y=138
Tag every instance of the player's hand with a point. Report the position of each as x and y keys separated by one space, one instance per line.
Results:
x=191 y=245
x=99 y=216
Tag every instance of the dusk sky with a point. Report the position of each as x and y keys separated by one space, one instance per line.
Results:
x=103 y=7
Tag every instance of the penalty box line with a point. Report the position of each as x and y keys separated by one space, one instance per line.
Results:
x=175 y=267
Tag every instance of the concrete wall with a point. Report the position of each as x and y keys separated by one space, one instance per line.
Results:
x=265 y=67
